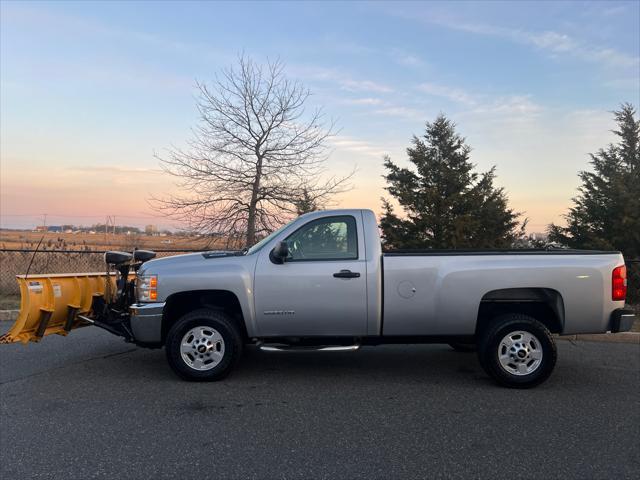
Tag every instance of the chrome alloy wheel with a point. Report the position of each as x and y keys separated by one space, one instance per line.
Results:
x=520 y=353
x=202 y=348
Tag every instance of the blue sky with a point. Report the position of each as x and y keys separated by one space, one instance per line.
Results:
x=89 y=90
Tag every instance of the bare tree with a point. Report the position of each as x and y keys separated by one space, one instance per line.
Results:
x=254 y=156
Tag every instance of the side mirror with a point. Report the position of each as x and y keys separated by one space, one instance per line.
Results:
x=279 y=253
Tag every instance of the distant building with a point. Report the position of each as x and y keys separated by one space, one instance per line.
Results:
x=540 y=237
x=151 y=229
x=50 y=228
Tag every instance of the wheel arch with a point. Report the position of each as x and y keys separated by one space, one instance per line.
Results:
x=180 y=303
x=544 y=304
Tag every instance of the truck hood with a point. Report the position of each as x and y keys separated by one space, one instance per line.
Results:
x=189 y=260
x=202 y=271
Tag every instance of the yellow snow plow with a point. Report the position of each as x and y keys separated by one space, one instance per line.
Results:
x=58 y=303
x=51 y=303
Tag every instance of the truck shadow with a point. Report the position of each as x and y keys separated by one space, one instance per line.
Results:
x=370 y=366
x=388 y=363
x=406 y=362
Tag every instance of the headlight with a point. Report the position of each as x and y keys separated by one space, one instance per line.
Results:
x=147 y=288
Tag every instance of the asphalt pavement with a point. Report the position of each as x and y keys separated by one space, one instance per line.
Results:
x=91 y=406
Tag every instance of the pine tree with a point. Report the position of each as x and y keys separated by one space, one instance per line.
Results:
x=446 y=204
x=305 y=203
x=606 y=211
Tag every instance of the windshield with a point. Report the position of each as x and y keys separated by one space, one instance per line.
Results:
x=258 y=246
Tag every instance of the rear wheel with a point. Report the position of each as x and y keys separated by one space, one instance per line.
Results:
x=517 y=351
x=203 y=345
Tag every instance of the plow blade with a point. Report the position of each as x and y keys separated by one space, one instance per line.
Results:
x=51 y=303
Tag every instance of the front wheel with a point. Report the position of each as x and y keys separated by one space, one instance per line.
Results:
x=203 y=345
x=517 y=351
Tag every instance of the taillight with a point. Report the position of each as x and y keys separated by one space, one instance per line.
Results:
x=619 y=283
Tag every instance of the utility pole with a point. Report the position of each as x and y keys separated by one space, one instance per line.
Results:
x=109 y=221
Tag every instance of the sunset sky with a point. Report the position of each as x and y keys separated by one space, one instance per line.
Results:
x=89 y=91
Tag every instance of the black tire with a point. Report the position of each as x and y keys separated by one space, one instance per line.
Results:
x=463 y=347
x=231 y=347
x=489 y=356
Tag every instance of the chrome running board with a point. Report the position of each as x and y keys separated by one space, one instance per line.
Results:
x=319 y=348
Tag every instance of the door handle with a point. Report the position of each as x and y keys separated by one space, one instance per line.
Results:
x=346 y=274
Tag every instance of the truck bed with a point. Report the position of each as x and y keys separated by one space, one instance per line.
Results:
x=440 y=292
x=520 y=251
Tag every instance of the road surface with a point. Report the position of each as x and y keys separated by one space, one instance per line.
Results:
x=91 y=406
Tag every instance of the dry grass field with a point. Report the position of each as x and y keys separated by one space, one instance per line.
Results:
x=18 y=239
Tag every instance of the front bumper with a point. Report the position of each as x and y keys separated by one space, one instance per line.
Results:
x=621 y=320
x=146 y=322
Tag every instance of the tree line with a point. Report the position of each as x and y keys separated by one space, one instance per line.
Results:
x=257 y=158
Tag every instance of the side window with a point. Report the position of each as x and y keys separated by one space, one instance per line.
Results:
x=330 y=238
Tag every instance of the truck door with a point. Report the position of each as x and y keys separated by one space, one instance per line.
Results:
x=320 y=289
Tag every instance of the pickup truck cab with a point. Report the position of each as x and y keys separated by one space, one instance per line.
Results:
x=323 y=283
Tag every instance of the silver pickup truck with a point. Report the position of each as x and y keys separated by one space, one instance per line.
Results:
x=323 y=283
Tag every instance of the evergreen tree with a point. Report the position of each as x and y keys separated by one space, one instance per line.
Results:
x=446 y=204
x=305 y=203
x=606 y=211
